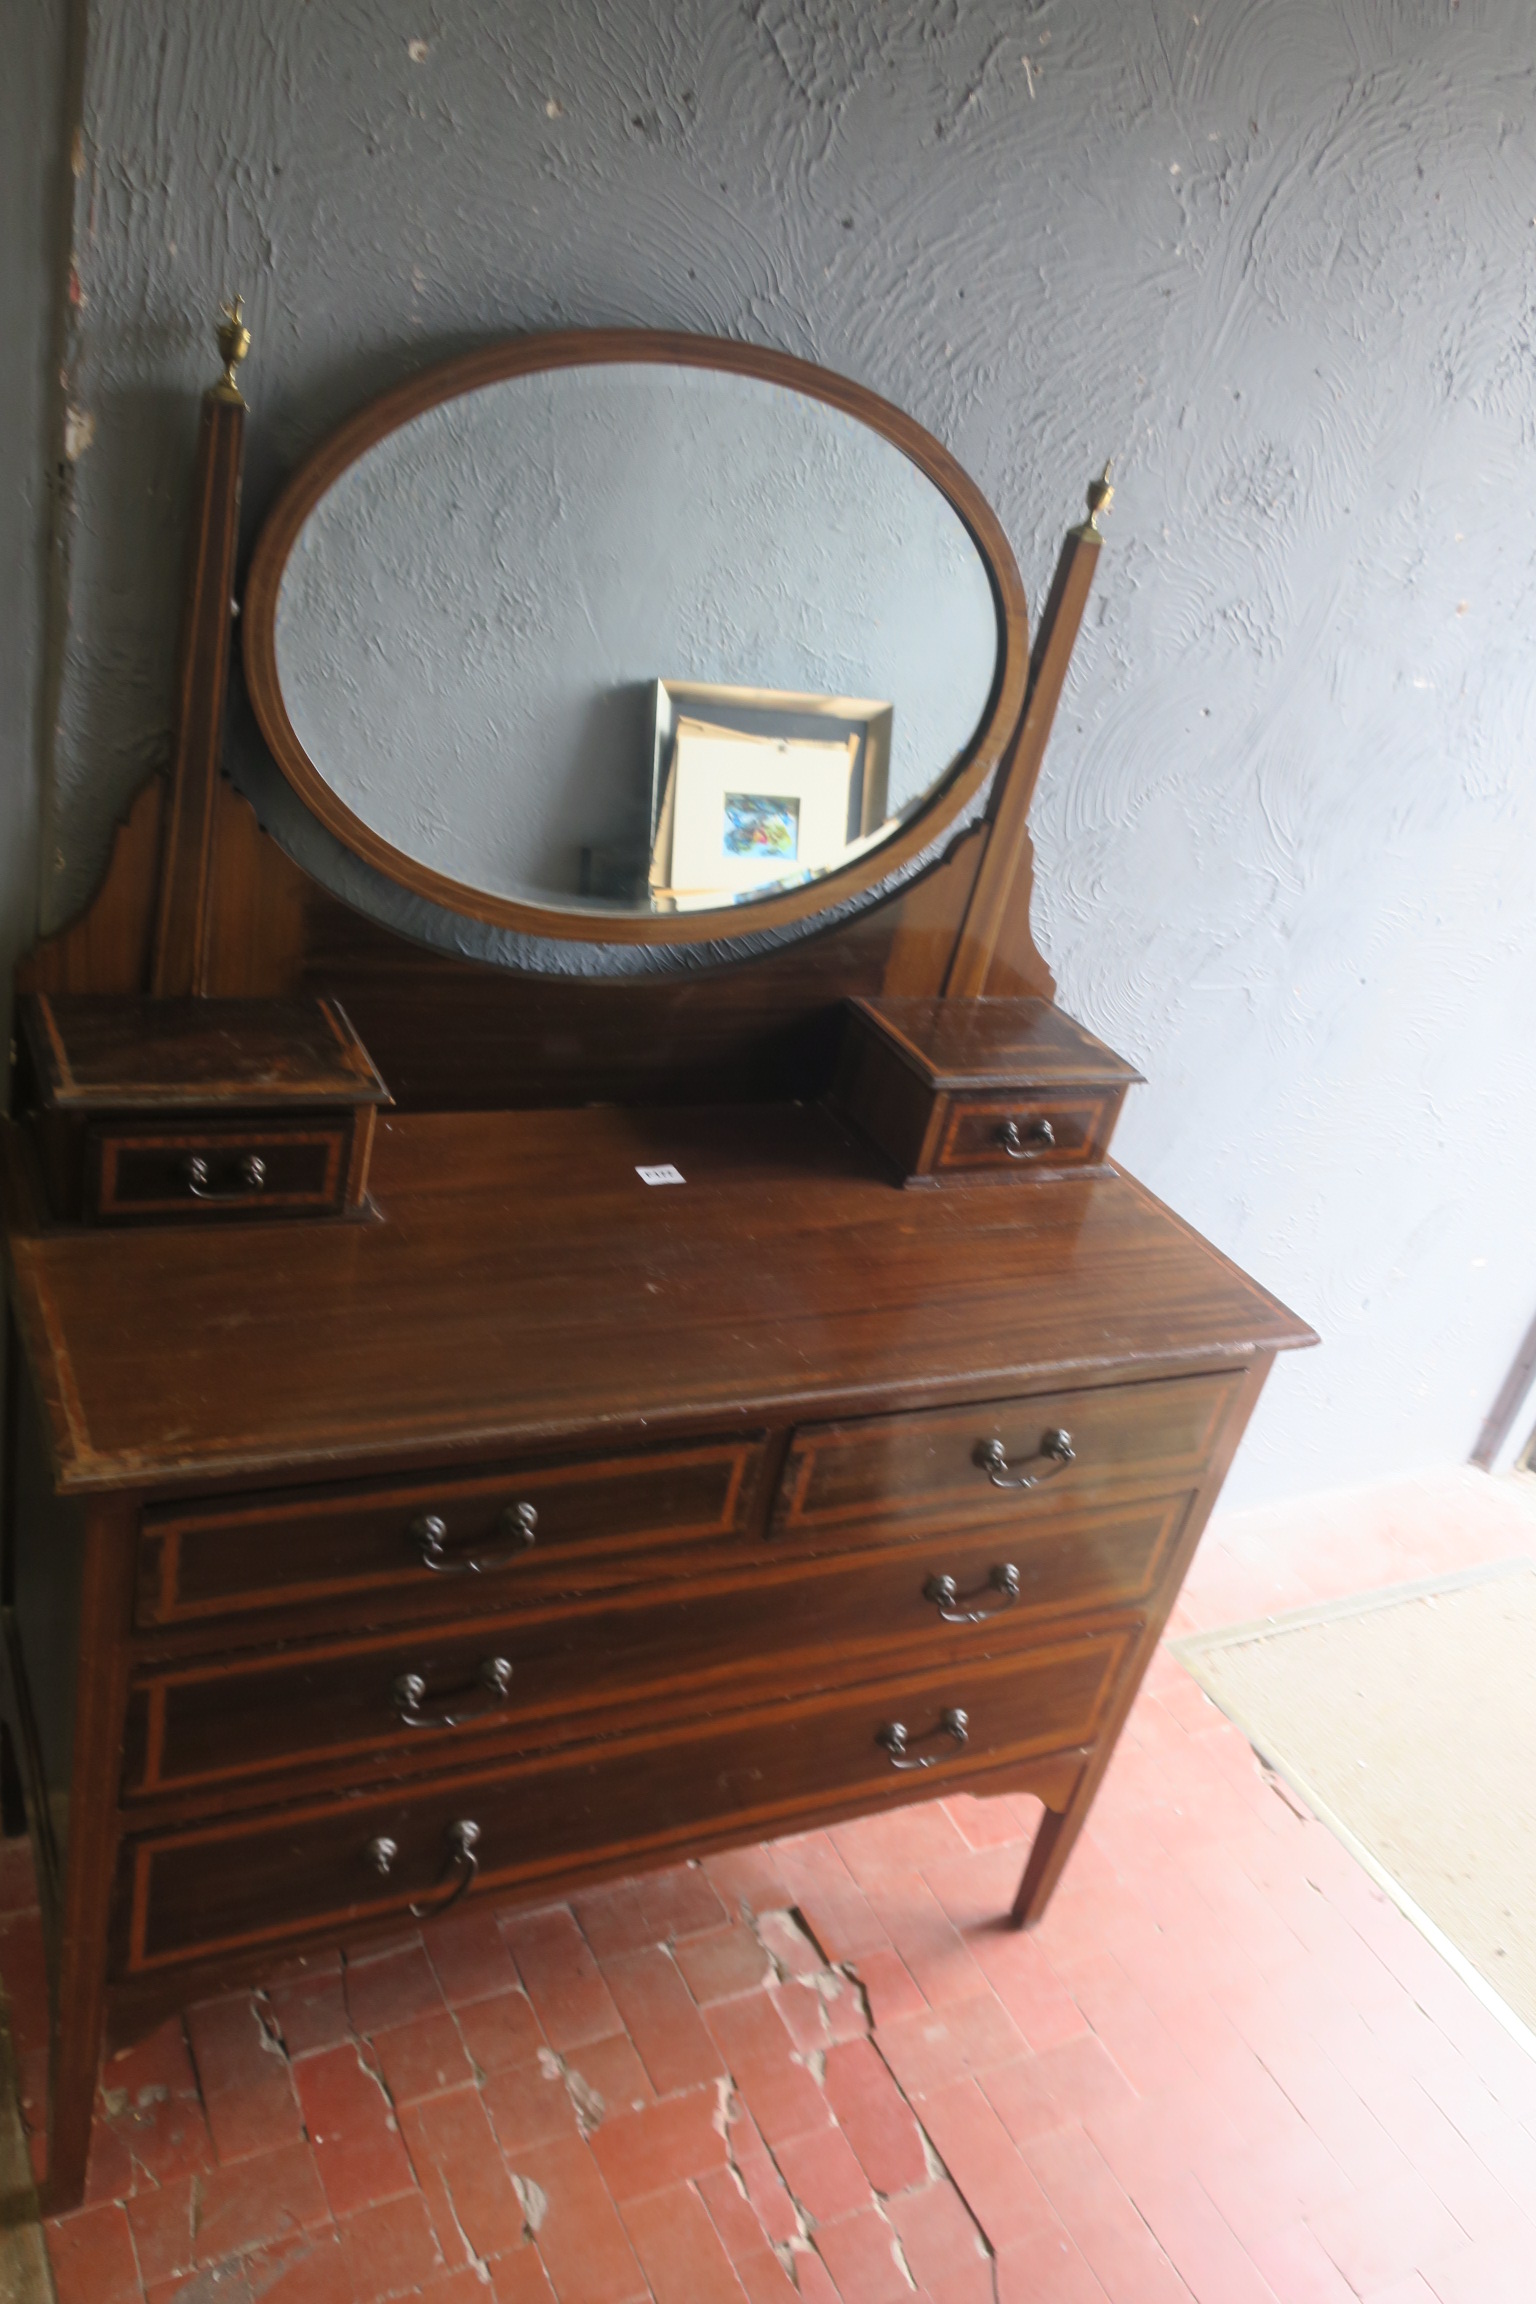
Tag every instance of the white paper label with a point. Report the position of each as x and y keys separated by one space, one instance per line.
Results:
x=666 y=1174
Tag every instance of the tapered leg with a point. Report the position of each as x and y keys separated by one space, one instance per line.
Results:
x=72 y=2097
x=1055 y=1839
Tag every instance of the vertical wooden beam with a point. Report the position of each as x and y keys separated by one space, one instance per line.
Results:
x=179 y=953
x=1007 y=866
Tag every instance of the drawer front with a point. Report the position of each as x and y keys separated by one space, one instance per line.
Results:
x=335 y=1865
x=941 y=1467
x=544 y=1677
x=206 y=1173
x=542 y=1529
x=1018 y=1132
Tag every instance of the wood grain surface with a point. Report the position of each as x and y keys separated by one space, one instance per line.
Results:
x=526 y=1287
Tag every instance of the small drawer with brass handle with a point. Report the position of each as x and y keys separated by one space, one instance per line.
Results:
x=280 y=1169
x=340 y=1859
x=195 y=1111
x=959 y=1090
x=1059 y=1132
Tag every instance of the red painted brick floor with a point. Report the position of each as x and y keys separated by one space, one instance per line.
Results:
x=1224 y=2068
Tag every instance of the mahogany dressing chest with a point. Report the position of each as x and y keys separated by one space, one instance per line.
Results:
x=478 y=1423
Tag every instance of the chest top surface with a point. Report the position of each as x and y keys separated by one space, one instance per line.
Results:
x=524 y=1286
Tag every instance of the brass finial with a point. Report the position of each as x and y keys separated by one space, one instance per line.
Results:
x=234 y=342
x=1100 y=498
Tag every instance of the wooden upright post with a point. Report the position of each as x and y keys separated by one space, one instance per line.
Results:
x=180 y=949
x=1004 y=873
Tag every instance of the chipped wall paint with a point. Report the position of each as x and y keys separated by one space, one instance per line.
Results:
x=1278 y=255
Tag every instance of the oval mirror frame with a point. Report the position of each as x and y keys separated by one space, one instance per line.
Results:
x=574 y=348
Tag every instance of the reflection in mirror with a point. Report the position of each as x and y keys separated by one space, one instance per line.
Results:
x=753 y=790
x=634 y=637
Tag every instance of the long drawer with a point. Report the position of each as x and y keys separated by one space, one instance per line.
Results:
x=333 y=1865
x=550 y=1526
x=541 y=1676
x=948 y=1467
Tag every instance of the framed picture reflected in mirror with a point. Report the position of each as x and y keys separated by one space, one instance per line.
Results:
x=755 y=789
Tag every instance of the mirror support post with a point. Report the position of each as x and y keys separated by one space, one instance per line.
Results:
x=179 y=952
x=1008 y=862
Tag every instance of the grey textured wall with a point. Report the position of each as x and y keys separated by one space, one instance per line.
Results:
x=1277 y=254
x=32 y=108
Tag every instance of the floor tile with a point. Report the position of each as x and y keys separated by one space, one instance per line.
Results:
x=875 y=2117
x=824 y=2175
x=351 y=2125
x=606 y=2077
x=462 y=2173
x=661 y=2016
x=679 y=2250
x=560 y=1972
x=469 y=1957
x=996 y=2186
x=1114 y=2240
x=759 y=2053
x=309 y=2010
x=862 y=2254
x=1299 y=2268
x=243 y=2077
x=200 y=2219
x=942 y=2244
x=663 y=2145
x=681 y=1902
x=748 y=1881
x=529 y=2103
x=391 y=2249
x=92 y=2257
x=422 y=2058
x=392 y=1989
x=1386 y=2231
x=500 y=2032
x=585 y=2249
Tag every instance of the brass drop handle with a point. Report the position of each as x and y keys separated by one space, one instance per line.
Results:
x=460 y=1857
x=428 y=1536
x=409 y=1693
x=951 y=1722
x=1054 y=1454
x=946 y=1596
x=1020 y=1144
x=196 y=1172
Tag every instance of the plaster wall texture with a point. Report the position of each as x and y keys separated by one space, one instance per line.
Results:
x=31 y=128
x=1279 y=256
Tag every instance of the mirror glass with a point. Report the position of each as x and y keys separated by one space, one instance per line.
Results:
x=634 y=637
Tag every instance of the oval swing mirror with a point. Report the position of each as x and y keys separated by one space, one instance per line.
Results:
x=634 y=638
